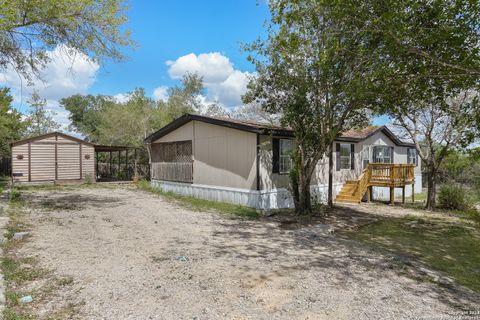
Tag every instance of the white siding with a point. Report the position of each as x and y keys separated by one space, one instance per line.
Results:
x=42 y=163
x=20 y=166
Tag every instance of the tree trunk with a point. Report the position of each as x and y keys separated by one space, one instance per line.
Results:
x=304 y=198
x=431 y=188
x=330 y=177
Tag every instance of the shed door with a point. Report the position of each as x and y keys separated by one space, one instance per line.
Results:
x=68 y=161
x=42 y=162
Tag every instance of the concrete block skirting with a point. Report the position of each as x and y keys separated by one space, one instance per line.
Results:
x=263 y=199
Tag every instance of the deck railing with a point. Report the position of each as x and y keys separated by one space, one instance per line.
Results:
x=391 y=174
x=173 y=171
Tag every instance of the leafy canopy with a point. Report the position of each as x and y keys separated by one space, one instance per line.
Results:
x=28 y=28
x=12 y=126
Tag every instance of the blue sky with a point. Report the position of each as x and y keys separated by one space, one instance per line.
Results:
x=173 y=37
x=166 y=30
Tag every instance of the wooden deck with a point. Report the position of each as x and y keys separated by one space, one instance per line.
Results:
x=379 y=175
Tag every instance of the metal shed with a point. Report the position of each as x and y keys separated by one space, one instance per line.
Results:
x=52 y=157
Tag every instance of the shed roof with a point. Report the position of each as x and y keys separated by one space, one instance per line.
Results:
x=47 y=135
x=353 y=135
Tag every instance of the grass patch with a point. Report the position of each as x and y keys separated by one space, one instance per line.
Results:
x=201 y=204
x=447 y=247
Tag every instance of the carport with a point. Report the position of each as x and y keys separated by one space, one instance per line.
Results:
x=115 y=163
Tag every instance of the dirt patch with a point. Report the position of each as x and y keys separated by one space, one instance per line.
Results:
x=132 y=255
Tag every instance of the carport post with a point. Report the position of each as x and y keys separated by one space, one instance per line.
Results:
x=111 y=164
x=126 y=163
x=118 y=172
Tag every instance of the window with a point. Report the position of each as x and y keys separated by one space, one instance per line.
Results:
x=285 y=155
x=383 y=154
x=412 y=156
x=345 y=156
x=365 y=156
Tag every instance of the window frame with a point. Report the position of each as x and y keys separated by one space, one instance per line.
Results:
x=286 y=157
x=384 y=147
x=415 y=161
x=348 y=146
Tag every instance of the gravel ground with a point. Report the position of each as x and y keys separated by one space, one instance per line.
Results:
x=133 y=255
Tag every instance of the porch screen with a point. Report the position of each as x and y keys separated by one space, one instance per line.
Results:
x=172 y=161
x=180 y=151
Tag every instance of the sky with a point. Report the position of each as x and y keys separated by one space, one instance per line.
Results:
x=172 y=37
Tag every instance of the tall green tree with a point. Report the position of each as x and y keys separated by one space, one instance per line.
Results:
x=314 y=69
x=85 y=113
x=183 y=99
x=40 y=120
x=429 y=55
x=28 y=28
x=323 y=61
x=12 y=126
x=436 y=129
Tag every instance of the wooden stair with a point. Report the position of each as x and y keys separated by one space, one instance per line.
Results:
x=381 y=175
x=350 y=192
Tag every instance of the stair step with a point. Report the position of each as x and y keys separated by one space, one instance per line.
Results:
x=350 y=189
x=353 y=192
x=345 y=197
x=346 y=201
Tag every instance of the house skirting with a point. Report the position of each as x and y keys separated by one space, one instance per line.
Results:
x=263 y=199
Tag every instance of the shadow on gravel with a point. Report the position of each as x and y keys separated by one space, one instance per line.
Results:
x=295 y=246
x=65 y=201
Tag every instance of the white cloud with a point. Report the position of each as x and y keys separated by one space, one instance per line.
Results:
x=68 y=72
x=160 y=93
x=223 y=82
x=121 y=97
x=213 y=67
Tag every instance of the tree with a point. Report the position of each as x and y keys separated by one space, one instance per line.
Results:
x=436 y=129
x=314 y=70
x=184 y=98
x=40 y=121
x=215 y=109
x=429 y=58
x=29 y=28
x=84 y=113
x=12 y=127
x=130 y=122
x=255 y=112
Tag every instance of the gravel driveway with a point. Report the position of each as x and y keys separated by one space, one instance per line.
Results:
x=133 y=255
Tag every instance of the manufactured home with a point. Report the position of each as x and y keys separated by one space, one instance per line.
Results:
x=247 y=163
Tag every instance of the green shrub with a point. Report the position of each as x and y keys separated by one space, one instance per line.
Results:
x=14 y=194
x=452 y=197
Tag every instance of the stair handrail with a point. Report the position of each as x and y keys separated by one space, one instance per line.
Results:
x=363 y=182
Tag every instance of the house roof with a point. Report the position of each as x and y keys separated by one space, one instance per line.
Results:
x=265 y=128
x=47 y=135
x=250 y=126
x=356 y=135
